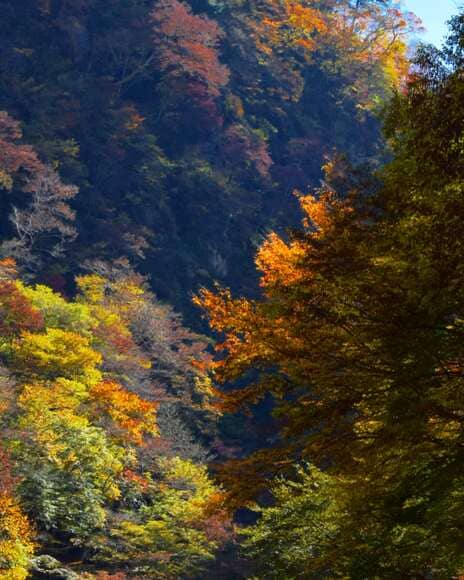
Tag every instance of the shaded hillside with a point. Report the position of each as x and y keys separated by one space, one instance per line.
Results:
x=186 y=127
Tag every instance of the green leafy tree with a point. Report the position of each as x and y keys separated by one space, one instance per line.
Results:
x=294 y=536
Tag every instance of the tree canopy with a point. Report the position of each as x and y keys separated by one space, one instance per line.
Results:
x=180 y=121
x=86 y=469
x=358 y=338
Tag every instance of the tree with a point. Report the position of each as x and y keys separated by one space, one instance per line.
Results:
x=17 y=313
x=349 y=36
x=81 y=434
x=119 y=99
x=15 y=157
x=358 y=338
x=187 y=53
x=171 y=537
x=17 y=537
x=146 y=347
x=71 y=431
x=43 y=224
x=16 y=533
x=187 y=45
x=129 y=415
x=294 y=535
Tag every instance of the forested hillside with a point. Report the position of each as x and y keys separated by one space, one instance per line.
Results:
x=186 y=126
x=156 y=158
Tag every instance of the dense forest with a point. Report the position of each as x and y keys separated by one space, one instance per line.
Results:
x=185 y=128
x=231 y=267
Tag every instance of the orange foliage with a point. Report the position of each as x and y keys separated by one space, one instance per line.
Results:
x=304 y=21
x=369 y=33
x=135 y=479
x=132 y=416
x=8 y=268
x=16 y=312
x=13 y=155
x=16 y=534
x=13 y=521
x=275 y=251
x=187 y=44
x=255 y=335
x=117 y=336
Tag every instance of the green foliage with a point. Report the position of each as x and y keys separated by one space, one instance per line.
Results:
x=293 y=537
x=69 y=499
x=170 y=536
x=57 y=311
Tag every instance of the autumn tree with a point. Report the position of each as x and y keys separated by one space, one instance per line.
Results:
x=15 y=157
x=351 y=37
x=188 y=44
x=358 y=339
x=146 y=347
x=47 y=217
x=247 y=149
x=78 y=422
x=16 y=533
x=119 y=99
x=17 y=537
x=70 y=433
x=39 y=210
x=187 y=53
x=173 y=535
x=17 y=313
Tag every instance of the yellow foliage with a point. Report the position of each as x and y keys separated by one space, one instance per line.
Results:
x=317 y=211
x=57 y=353
x=57 y=311
x=80 y=430
x=45 y=408
x=194 y=477
x=6 y=181
x=62 y=395
x=110 y=305
x=16 y=539
x=92 y=288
